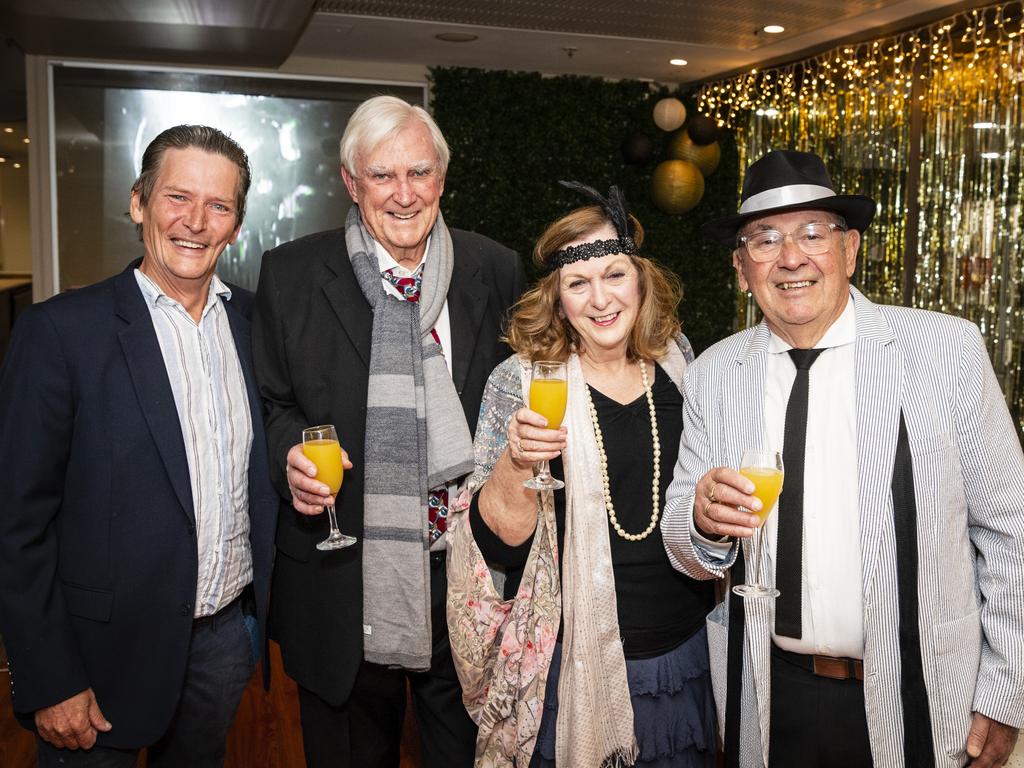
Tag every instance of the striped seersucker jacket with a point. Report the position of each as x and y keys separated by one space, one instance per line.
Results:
x=969 y=488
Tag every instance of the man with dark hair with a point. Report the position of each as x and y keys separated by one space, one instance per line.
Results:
x=387 y=329
x=882 y=624
x=137 y=522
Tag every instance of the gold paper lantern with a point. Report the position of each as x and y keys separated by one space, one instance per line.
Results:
x=669 y=114
x=707 y=157
x=676 y=186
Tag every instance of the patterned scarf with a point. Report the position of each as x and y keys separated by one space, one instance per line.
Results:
x=416 y=438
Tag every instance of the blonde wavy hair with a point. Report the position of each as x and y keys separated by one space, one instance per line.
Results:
x=537 y=328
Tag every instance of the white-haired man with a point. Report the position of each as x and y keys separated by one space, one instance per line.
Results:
x=388 y=329
x=898 y=550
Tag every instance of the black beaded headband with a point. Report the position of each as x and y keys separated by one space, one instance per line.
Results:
x=615 y=207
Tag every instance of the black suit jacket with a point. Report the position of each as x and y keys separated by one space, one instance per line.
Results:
x=311 y=335
x=98 y=552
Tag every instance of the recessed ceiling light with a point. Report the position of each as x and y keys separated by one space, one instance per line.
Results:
x=456 y=37
x=17 y=165
x=984 y=126
x=774 y=29
x=3 y=159
x=8 y=130
x=678 y=62
x=990 y=155
x=25 y=140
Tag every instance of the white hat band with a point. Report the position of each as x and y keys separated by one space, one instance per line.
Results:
x=794 y=194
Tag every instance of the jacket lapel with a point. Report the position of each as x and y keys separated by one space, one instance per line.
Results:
x=152 y=387
x=467 y=300
x=879 y=384
x=341 y=288
x=743 y=417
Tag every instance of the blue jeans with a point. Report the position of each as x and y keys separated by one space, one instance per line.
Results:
x=220 y=663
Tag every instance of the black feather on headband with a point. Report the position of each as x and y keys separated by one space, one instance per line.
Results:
x=615 y=208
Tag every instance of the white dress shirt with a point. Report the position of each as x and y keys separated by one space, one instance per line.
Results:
x=213 y=410
x=832 y=615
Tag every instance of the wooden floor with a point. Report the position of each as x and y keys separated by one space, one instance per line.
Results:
x=266 y=733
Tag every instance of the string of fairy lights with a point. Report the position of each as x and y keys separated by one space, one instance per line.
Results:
x=949 y=187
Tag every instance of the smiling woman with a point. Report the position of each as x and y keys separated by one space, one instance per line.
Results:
x=635 y=624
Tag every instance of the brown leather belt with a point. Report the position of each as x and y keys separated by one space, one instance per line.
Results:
x=837 y=668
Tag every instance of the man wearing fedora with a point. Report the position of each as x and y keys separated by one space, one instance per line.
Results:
x=898 y=549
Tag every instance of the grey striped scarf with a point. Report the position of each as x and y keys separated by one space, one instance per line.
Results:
x=416 y=439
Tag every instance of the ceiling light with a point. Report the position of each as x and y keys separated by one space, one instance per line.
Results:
x=8 y=130
x=984 y=126
x=25 y=140
x=678 y=62
x=3 y=159
x=17 y=165
x=774 y=29
x=456 y=37
x=990 y=155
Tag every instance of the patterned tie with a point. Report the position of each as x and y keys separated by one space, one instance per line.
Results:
x=789 y=555
x=437 y=499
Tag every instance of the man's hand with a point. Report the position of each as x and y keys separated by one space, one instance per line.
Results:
x=73 y=723
x=990 y=743
x=309 y=495
x=716 y=502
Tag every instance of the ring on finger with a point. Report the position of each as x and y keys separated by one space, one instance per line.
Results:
x=711 y=496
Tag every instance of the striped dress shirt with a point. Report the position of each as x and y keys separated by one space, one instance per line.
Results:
x=213 y=409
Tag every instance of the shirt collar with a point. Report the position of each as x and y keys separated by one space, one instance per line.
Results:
x=152 y=293
x=386 y=261
x=843 y=331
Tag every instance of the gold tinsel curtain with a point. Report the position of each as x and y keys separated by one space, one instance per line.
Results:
x=929 y=123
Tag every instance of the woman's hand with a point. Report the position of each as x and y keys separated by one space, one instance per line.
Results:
x=530 y=441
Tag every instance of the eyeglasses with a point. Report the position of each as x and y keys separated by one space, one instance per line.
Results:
x=812 y=239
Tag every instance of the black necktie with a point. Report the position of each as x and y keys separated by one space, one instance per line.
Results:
x=789 y=550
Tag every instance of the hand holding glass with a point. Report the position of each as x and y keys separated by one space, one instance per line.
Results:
x=764 y=469
x=549 y=391
x=320 y=445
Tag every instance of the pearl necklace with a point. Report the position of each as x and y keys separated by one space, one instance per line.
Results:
x=655 y=483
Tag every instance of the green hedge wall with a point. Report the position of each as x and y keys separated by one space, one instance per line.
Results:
x=513 y=135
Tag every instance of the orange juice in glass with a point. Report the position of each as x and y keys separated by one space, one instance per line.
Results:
x=320 y=445
x=547 y=397
x=549 y=391
x=767 y=487
x=764 y=469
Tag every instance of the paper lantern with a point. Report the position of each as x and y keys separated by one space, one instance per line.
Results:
x=637 y=148
x=676 y=186
x=681 y=147
x=669 y=114
x=703 y=130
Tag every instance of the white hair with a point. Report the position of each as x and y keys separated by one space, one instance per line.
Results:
x=381 y=118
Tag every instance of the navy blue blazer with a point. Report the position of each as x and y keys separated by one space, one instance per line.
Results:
x=98 y=552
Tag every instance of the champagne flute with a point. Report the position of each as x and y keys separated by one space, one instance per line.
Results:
x=320 y=445
x=764 y=469
x=548 y=392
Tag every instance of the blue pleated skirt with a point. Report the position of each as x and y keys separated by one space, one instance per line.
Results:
x=673 y=708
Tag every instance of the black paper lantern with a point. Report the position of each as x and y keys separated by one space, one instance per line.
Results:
x=703 y=130
x=637 y=148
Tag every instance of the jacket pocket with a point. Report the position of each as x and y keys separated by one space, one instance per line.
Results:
x=957 y=657
x=88 y=603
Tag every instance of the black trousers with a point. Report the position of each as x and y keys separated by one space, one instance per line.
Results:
x=816 y=722
x=367 y=731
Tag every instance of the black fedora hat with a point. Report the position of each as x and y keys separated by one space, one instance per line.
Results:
x=785 y=180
